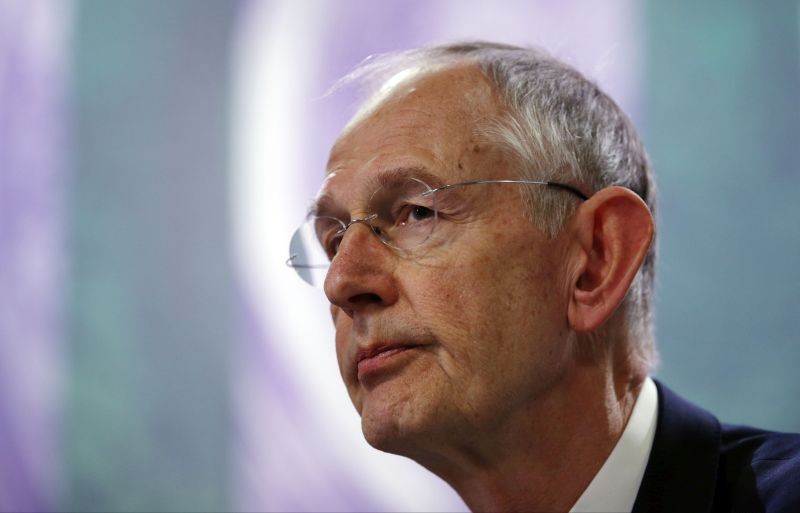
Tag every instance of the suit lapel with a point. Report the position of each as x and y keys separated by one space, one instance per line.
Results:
x=681 y=473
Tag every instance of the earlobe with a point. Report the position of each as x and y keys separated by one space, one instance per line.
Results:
x=613 y=232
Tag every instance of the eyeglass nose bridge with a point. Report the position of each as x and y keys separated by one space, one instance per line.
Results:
x=367 y=221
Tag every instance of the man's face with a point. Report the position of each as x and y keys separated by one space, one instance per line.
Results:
x=469 y=335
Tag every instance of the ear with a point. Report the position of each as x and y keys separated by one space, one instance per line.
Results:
x=613 y=231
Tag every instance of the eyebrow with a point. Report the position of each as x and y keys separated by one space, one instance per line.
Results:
x=325 y=204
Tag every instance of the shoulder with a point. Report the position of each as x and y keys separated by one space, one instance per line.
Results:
x=698 y=464
x=755 y=461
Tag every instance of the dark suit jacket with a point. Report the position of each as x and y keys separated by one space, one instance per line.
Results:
x=698 y=464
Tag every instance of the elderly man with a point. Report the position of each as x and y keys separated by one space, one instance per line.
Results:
x=485 y=236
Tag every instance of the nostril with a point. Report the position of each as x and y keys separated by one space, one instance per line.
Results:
x=366 y=298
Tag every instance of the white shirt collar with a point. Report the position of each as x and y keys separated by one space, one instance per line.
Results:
x=615 y=486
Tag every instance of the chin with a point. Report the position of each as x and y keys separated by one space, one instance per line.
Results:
x=395 y=426
x=404 y=411
x=383 y=437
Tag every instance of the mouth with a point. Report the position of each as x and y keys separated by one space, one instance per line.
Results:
x=381 y=359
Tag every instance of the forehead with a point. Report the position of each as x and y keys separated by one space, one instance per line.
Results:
x=425 y=126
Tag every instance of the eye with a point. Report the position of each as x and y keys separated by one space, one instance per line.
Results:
x=329 y=234
x=333 y=247
x=412 y=214
x=420 y=213
x=332 y=243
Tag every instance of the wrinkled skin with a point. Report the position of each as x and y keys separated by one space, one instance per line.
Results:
x=486 y=310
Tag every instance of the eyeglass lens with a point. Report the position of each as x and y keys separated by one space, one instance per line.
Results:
x=402 y=214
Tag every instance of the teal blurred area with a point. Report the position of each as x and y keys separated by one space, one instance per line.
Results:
x=146 y=412
x=722 y=86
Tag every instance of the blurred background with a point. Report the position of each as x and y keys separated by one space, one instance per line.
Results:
x=155 y=352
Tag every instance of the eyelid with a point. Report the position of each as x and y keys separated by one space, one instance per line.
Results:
x=326 y=206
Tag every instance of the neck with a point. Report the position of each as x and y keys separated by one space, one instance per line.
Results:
x=544 y=458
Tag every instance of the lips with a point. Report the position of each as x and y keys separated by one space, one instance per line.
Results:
x=375 y=350
x=380 y=358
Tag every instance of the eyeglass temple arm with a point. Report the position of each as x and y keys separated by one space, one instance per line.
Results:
x=568 y=188
x=290 y=263
x=556 y=185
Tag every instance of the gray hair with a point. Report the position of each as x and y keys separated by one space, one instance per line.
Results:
x=559 y=126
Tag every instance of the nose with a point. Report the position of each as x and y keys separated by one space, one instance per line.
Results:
x=361 y=276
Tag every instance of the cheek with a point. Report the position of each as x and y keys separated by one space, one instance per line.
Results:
x=482 y=288
x=341 y=351
x=339 y=318
x=343 y=325
x=462 y=308
x=493 y=304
